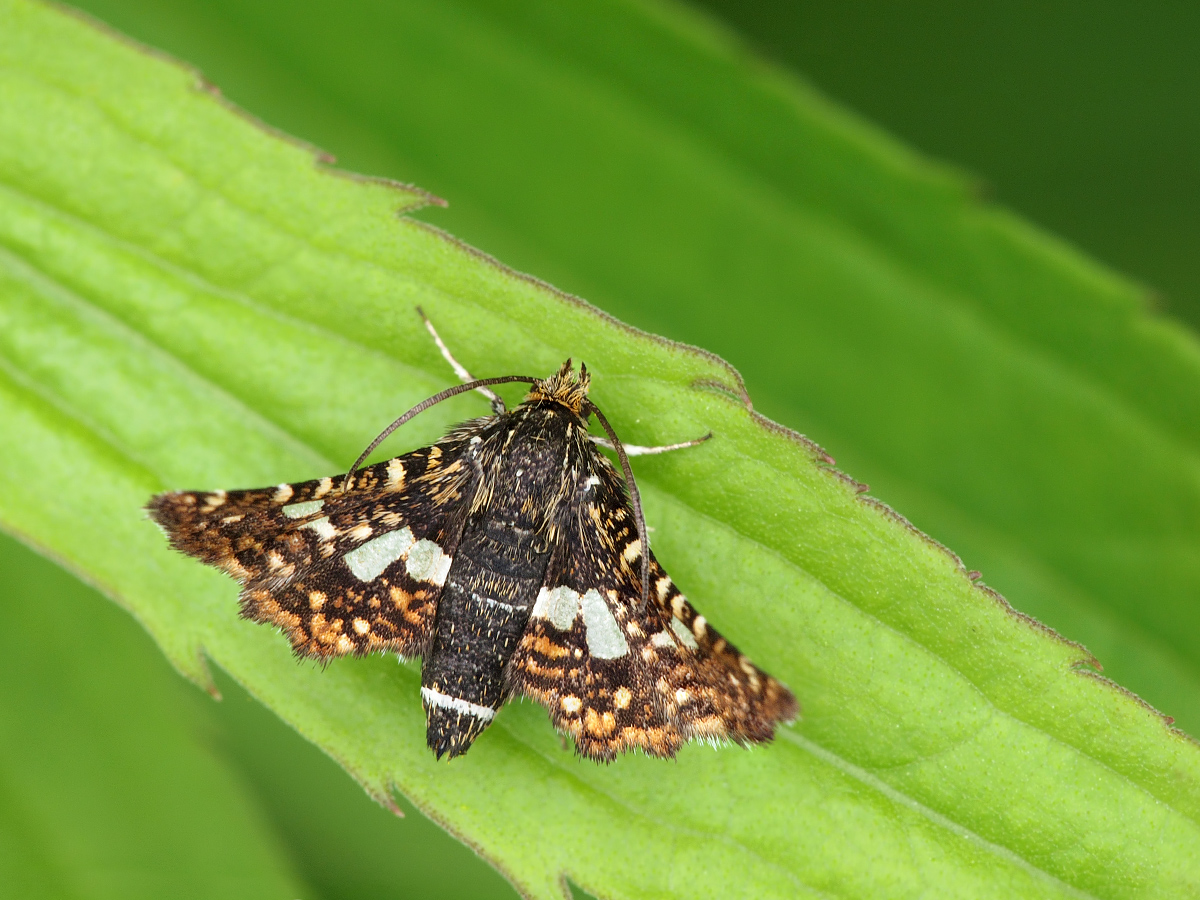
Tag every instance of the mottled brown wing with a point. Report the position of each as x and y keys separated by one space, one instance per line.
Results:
x=340 y=572
x=618 y=677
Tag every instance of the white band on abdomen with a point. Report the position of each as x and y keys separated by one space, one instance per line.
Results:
x=445 y=701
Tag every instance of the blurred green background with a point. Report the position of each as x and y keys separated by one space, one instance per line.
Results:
x=1082 y=117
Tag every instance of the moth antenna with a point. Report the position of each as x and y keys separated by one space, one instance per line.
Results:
x=464 y=376
x=424 y=405
x=634 y=497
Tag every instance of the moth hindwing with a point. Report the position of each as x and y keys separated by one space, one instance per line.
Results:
x=511 y=557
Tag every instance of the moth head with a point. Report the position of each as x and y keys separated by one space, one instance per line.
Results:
x=566 y=386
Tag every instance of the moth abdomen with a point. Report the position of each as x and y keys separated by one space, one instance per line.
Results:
x=485 y=607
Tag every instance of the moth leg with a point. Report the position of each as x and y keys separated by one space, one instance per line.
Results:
x=635 y=450
x=498 y=406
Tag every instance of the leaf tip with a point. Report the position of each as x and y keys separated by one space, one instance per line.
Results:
x=199 y=673
x=388 y=801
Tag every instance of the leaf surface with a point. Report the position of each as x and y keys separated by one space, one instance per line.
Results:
x=187 y=301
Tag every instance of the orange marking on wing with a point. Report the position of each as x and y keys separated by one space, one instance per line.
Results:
x=548 y=648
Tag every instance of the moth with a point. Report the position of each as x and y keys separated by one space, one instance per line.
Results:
x=513 y=558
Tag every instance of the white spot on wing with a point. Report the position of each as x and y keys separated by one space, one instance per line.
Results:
x=395 y=474
x=662 y=639
x=283 y=493
x=663 y=587
x=604 y=637
x=685 y=636
x=323 y=527
x=368 y=561
x=677 y=605
x=445 y=701
x=427 y=562
x=560 y=605
x=300 y=510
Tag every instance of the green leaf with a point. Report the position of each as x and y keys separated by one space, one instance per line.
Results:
x=107 y=788
x=187 y=301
